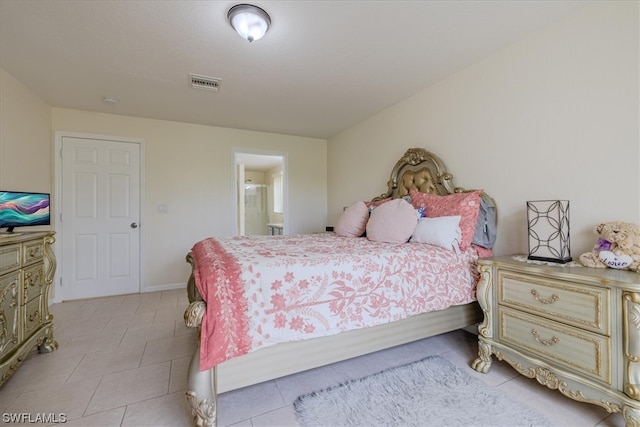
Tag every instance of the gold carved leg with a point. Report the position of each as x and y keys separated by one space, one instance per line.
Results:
x=631 y=416
x=631 y=314
x=201 y=385
x=483 y=362
x=201 y=392
x=483 y=294
x=631 y=338
x=48 y=343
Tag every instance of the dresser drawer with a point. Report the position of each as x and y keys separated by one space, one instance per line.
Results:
x=9 y=258
x=33 y=282
x=9 y=312
x=582 y=306
x=33 y=316
x=32 y=252
x=584 y=352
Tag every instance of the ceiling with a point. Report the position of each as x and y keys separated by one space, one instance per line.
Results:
x=322 y=67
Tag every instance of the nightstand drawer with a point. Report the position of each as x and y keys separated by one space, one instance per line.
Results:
x=581 y=306
x=584 y=352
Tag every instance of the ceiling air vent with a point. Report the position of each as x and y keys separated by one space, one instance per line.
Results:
x=204 y=82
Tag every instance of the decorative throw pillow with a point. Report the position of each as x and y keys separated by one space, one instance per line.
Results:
x=373 y=205
x=464 y=204
x=486 y=228
x=392 y=222
x=353 y=220
x=442 y=231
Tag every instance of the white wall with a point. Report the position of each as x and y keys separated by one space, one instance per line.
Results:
x=25 y=138
x=190 y=168
x=553 y=116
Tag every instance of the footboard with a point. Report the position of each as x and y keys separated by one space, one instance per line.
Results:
x=291 y=357
x=201 y=385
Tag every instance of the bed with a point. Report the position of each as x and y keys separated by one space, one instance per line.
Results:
x=270 y=306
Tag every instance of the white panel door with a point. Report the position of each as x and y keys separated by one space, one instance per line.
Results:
x=100 y=191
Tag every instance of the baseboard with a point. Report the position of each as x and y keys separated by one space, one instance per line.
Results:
x=167 y=287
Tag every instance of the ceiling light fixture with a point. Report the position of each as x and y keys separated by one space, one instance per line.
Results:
x=249 y=21
x=110 y=100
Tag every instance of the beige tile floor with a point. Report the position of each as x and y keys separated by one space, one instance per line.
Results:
x=122 y=361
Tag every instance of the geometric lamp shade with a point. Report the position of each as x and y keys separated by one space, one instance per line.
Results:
x=548 y=223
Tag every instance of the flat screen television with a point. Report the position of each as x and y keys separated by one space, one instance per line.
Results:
x=22 y=209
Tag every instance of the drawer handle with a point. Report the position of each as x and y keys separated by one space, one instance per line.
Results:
x=34 y=252
x=553 y=298
x=34 y=316
x=552 y=341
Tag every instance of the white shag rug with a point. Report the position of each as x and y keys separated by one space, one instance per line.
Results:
x=430 y=392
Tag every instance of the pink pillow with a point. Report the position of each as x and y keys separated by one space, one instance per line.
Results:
x=392 y=222
x=373 y=205
x=466 y=205
x=353 y=220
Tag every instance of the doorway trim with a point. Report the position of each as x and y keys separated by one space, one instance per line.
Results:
x=57 y=201
x=235 y=182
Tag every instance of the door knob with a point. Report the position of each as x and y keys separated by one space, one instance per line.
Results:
x=134 y=225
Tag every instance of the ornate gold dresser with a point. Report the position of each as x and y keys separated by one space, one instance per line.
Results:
x=27 y=265
x=574 y=329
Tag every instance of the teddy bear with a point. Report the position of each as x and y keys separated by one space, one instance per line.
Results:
x=618 y=246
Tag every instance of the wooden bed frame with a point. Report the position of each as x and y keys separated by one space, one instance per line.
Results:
x=417 y=169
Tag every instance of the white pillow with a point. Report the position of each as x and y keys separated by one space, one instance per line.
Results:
x=443 y=231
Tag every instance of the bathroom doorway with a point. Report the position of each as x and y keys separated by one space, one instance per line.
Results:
x=261 y=193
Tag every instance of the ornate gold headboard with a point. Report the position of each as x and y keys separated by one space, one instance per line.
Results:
x=421 y=170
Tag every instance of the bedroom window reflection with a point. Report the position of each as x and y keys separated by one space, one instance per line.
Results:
x=278 y=193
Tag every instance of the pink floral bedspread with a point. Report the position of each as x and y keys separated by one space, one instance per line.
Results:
x=262 y=290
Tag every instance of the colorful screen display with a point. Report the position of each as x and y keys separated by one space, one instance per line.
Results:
x=21 y=209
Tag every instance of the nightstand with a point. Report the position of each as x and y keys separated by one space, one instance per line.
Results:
x=574 y=329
